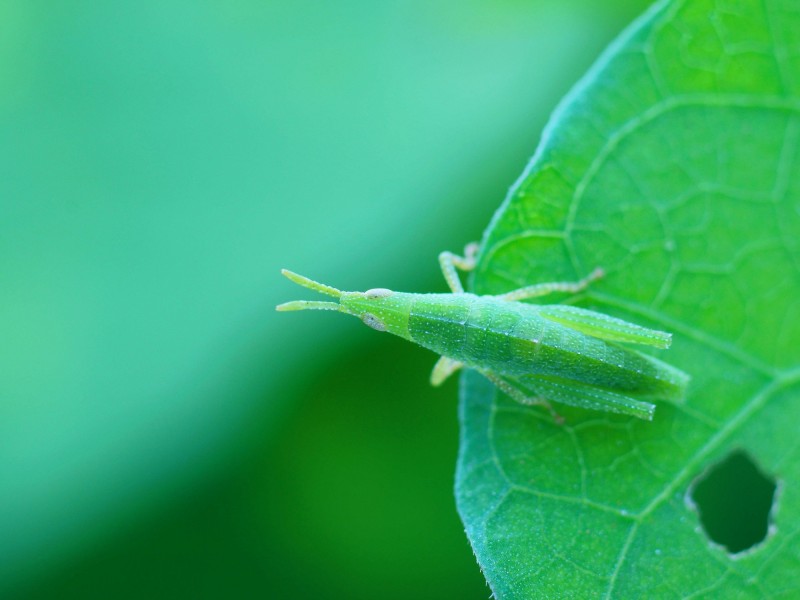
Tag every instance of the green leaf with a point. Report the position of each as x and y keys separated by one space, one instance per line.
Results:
x=674 y=166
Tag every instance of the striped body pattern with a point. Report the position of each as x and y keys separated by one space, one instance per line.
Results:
x=535 y=353
x=516 y=339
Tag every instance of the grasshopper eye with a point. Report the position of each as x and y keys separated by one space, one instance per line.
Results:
x=378 y=293
x=373 y=321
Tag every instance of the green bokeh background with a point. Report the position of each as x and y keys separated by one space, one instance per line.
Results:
x=163 y=432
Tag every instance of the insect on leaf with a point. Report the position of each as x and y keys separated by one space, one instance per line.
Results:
x=535 y=354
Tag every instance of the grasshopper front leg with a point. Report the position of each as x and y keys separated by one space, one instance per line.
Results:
x=449 y=261
x=443 y=368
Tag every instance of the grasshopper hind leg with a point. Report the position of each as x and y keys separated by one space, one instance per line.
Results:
x=539 y=390
x=520 y=396
x=604 y=327
x=592 y=397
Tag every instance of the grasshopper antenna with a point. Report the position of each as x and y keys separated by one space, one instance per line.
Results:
x=311 y=285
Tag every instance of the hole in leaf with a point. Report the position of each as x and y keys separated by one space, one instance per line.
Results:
x=734 y=500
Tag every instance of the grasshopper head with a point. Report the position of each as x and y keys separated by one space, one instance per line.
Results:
x=381 y=309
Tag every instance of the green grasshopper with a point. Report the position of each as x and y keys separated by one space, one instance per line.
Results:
x=534 y=353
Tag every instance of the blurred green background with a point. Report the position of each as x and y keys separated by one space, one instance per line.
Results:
x=163 y=432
